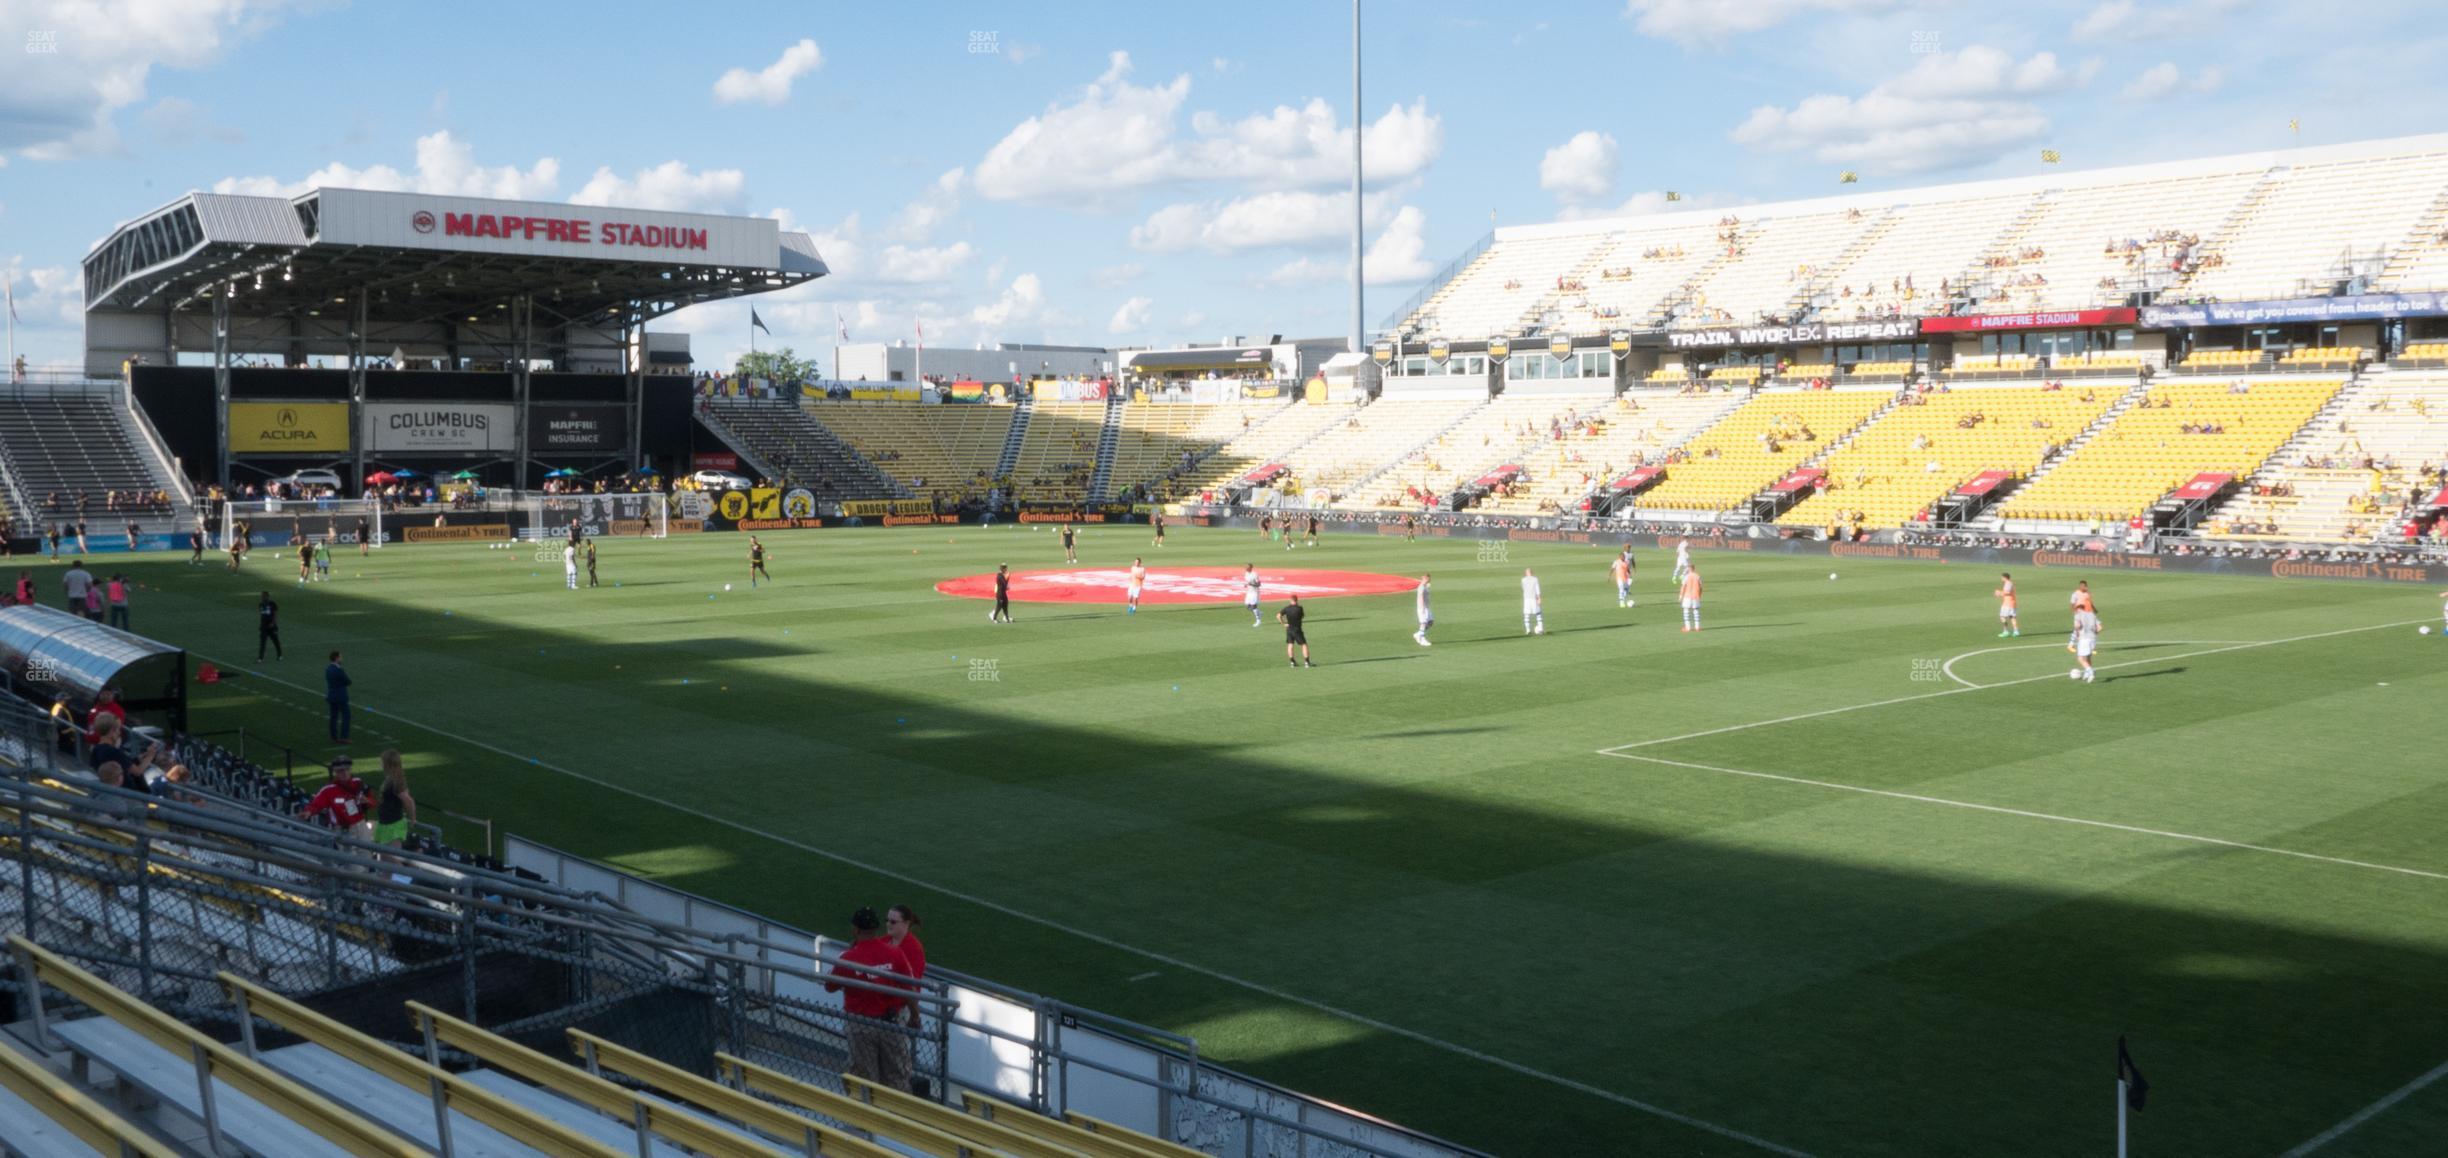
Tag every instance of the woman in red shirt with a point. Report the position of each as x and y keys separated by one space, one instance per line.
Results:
x=901 y=924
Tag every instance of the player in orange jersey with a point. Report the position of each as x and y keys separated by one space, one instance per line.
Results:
x=1690 y=592
x=2006 y=606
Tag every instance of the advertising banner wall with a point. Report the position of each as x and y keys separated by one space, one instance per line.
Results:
x=2338 y=309
x=440 y=427
x=288 y=427
x=577 y=428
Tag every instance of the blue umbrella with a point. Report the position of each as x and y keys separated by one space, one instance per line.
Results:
x=563 y=472
x=406 y=474
x=647 y=472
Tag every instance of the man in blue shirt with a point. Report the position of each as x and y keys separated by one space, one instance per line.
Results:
x=336 y=698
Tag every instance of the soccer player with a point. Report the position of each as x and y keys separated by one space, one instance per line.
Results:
x=1313 y=524
x=1690 y=592
x=2006 y=607
x=2081 y=599
x=1002 y=607
x=305 y=561
x=1410 y=528
x=131 y=534
x=2087 y=630
x=1534 y=606
x=1291 y=617
x=1622 y=568
x=195 y=546
x=365 y=536
x=267 y=627
x=2444 y=615
x=1070 y=540
x=55 y=540
x=1266 y=528
x=323 y=554
x=1249 y=593
x=569 y=567
x=756 y=561
x=590 y=558
x=1427 y=617
x=1682 y=565
x=1138 y=578
x=79 y=528
x=1158 y=519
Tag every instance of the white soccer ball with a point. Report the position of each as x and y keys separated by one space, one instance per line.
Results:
x=1831 y=576
x=2425 y=629
x=2075 y=674
x=1542 y=630
x=726 y=587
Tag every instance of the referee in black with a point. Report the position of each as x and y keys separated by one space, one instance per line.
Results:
x=1291 y=617
x=267 y=628
x=1002 y=607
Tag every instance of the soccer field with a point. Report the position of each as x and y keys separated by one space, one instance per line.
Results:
x=1844 y=873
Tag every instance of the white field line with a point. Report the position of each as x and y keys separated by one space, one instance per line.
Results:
x=2369 y=1112
x=2030 y=815
x=1621 y=748
x=1948 y=668
x=1257 y=987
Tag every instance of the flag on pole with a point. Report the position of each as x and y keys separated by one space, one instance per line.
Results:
x=757 y=322
x=922 y=333
x=840 y=325
x=2049 y=156
x=2137 y=1088
x=1847 y=177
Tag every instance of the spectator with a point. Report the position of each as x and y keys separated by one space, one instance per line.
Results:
x=109 y=750
x=879 y=1052
x=395 y=810
x=342 y=801
x=63 y=722
x=106 y=703
x=336 y=699
x=901 y=927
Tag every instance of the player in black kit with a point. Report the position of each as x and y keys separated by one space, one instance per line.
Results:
x=1070 y=544
x=1158 y=517
x=1291 y=617
x=267 y=627
x=1002 y=607
x=756 y=558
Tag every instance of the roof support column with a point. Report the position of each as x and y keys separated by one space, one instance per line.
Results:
x=357 y=389
x=221 y=382
x=633 y=375
x=522 y=330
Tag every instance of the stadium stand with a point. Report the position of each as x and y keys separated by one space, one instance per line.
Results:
x=1917 y=452
x=784 y=435
x=1639 y=427
x=1264 y=441
x=1504 y=285
x=1155 y=436
x=1058 y=451
x=1763 y=440
x=60 y=448
x=45 y=1116
x=922 y=448
x=1774 y=267
x=2181 y=428
x=1369 y=437
x=1920 y=264
x=1638 y=272
x=2311 y=226
x=2096 y=245
x=2347 y=476
x=1490 y=437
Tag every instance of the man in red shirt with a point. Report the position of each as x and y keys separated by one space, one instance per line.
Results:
x=880 y=1048
x=341 y=803
x=106 y=703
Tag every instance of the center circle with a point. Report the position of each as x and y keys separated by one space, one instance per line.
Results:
x=1177 y=585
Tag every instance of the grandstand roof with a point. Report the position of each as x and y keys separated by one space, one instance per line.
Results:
x=426 y=258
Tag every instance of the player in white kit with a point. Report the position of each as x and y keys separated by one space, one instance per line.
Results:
x=569 y=566
x=1427 y=617
x=1682 y=558
x=1138 y=578
x=1534 y=613
x=2086 y=641
x=1249 y=593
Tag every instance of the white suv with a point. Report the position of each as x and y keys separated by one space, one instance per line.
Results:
x=720 y=480
x=314 y=478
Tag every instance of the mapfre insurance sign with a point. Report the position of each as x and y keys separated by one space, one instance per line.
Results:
x=542 y=228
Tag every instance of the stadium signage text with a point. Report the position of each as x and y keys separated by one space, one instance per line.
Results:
x=2036 y=321
x=2335 y=309
x=573 y=230
x=277 y=427
x=416 y=534
x=2293 y=569
x=1795 y=335
x=445 y=426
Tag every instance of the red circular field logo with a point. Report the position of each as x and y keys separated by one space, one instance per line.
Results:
x=423 y=222
x=1177 y=585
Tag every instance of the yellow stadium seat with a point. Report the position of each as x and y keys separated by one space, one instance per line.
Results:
x=2147 y=451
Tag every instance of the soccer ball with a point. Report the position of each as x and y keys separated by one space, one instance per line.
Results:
x=1542 y=630
x=726 y=587
x=2425 y=629
x=1831 y=576
x=2075 y=674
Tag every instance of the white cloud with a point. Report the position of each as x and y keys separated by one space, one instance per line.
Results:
x=1693 y=23
x=1258 y=221
x=2123 y=20
x=48 y=297
x=59 y=104
x=1400 y=254
x=444 y=164
x=919 y=219
x=901 y=263
x=1132 y=317
x=1116 y=136
x=1950 y=110
x=772 y=83
x=670 y=185
x=1022 y=303
x=2164 y=80
x=1112 y=276
x=179 y=121
x=1580 y=169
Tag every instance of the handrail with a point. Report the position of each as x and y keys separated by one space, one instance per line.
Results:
x=213 y=1060
x=1085 y=1139
x=106 y=1132
x=1100 y=1128
x=1018 y=1143
x=651 y=1117
x=449 y=1091
x=752 y=1078
x=182 y=495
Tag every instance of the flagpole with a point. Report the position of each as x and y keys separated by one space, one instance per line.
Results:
x=2120 y=1095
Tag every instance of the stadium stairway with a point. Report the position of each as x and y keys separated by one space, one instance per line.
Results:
x=1669 y=309
x=1807 y=301
x=1360 y=485
x=1273 y=438
x=1109 y=439
x=1008 y=459
x=1989 y=520
x=88 y=444
x=2392 y=416
x=2421 y=263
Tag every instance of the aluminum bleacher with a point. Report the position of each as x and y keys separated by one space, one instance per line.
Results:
x=2347 y=477
x=803 y=450
x=939 y=446
x=2312 y=221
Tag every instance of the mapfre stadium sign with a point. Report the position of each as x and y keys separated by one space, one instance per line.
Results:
x=544 y=229
x=573 y=230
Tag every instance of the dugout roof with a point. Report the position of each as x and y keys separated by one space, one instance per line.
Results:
x=48 y=652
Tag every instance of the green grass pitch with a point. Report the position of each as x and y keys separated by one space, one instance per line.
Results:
x=1845 y=873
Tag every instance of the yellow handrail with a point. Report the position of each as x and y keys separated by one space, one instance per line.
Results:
x=722 y=1100
x=67 y=1105
x=757 y=1079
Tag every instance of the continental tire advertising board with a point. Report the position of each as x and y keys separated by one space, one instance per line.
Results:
x=439 y=427
x=288 y=427
x=576 y=428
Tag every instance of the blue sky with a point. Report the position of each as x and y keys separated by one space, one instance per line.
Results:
x=1126 y=173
